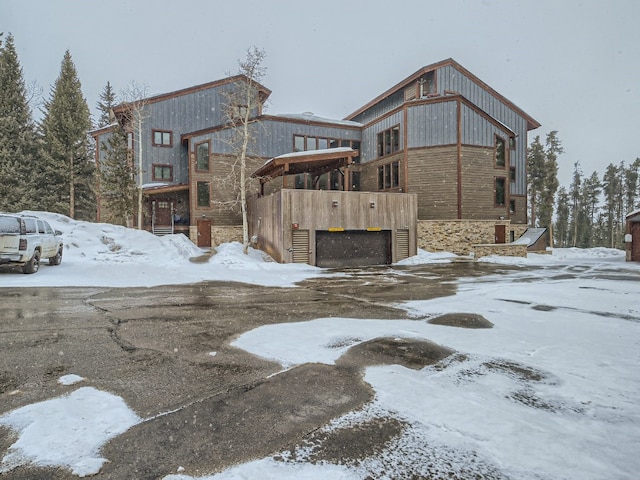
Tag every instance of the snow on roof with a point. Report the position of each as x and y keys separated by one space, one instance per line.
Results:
x=530 y=236
x=635 y=212
x=307 y=153
x=310 y=117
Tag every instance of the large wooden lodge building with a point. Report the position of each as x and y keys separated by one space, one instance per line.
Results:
x=438 y=161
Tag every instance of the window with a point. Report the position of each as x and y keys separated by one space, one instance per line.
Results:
x=500 y=192
x=512 y=174
x=500 y=152
x=202 y=156
x=389 y=141
x=298 y=143
x=512 y=207
x=302 y=143
x=204 y=196
x=426 y=84
x=389 y=176
x=162 y=138
x=512 y=143
x=162 y=172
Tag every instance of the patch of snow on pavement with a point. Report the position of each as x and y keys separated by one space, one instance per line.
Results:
x=66 y=431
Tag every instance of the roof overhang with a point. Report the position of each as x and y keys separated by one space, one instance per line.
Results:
x=162 y=188
x=312 y=161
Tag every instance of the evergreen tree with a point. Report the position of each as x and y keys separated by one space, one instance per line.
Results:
x=18 y=142
x=612 y=187
x=67 y=171
x=562 y=218
x=631 y=186
x=117 y=179
x=575 y=194
x=542 y=178
x=535 y=177
x=550 y=183
x=106 y=103
x=590 y=201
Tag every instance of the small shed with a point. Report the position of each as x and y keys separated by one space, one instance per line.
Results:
x=632 y=236
x=330 y=227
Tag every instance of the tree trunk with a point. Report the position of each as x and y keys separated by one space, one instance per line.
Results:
x=72 y=190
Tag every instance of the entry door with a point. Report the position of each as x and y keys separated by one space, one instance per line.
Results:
x=204 y=232
x=635 y=241
x=162 y=211
x=501 y=234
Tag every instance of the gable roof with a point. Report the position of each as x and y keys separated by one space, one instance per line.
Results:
x=264 y=91
x=531 y=122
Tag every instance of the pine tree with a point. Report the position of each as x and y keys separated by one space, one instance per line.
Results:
x=590 y=201
x=117 y=179
x=67 y=174
x=542 y=178
x=18 y=141
x=535 y=177
x=575 y=194
x=562 y=218
x=553 y=148
x=631 y=186
x=612 y=188
x=105 y=105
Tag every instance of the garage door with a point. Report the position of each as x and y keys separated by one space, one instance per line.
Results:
x=353 y=248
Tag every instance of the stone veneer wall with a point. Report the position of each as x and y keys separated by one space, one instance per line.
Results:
x=502 y=249
x=219 y=235
x=459 y=236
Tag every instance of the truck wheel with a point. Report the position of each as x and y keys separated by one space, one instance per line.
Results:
x=57 y=258
x=33 y=264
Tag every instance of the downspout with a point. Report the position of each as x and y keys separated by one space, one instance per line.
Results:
x=459 y=156
x=405 y=155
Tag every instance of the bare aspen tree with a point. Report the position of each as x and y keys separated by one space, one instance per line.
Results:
x=133 y=119
x=243 y=105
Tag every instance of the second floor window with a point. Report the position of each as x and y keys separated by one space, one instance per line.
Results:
x=162 y=172
x=162 y=138
x=501 y=154
x=202 y=156
x=389 y=141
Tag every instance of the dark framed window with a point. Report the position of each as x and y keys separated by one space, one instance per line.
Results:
x=388 y=141
x=202 y=156
x=501 y=153
x=512 y=174
x=389 y=176
x=501 y=192
x=162 y=138
x=512 y=207
x=203 y=194
x=426 y=84
x=162 y=172
x=512 y=143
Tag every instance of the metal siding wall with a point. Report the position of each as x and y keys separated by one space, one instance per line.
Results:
x=381 y=108
x=432 y=124
x=449 y=78
x=181 y=114
x=370 y=134
x=275 y=138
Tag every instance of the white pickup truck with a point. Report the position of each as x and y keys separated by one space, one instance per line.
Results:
x=25 y=239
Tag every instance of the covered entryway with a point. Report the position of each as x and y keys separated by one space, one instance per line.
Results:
x=353 y=248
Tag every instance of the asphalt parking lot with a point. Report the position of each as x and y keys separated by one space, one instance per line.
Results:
x=153 y=347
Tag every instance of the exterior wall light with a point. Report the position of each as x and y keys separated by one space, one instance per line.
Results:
x=335 y=203
x=372 y=204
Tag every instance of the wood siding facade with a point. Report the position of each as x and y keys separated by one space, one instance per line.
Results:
x=276 y=218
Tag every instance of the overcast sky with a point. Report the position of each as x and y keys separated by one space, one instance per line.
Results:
x=572 y=65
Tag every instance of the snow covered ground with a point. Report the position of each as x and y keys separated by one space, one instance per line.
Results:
x=550 y=392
